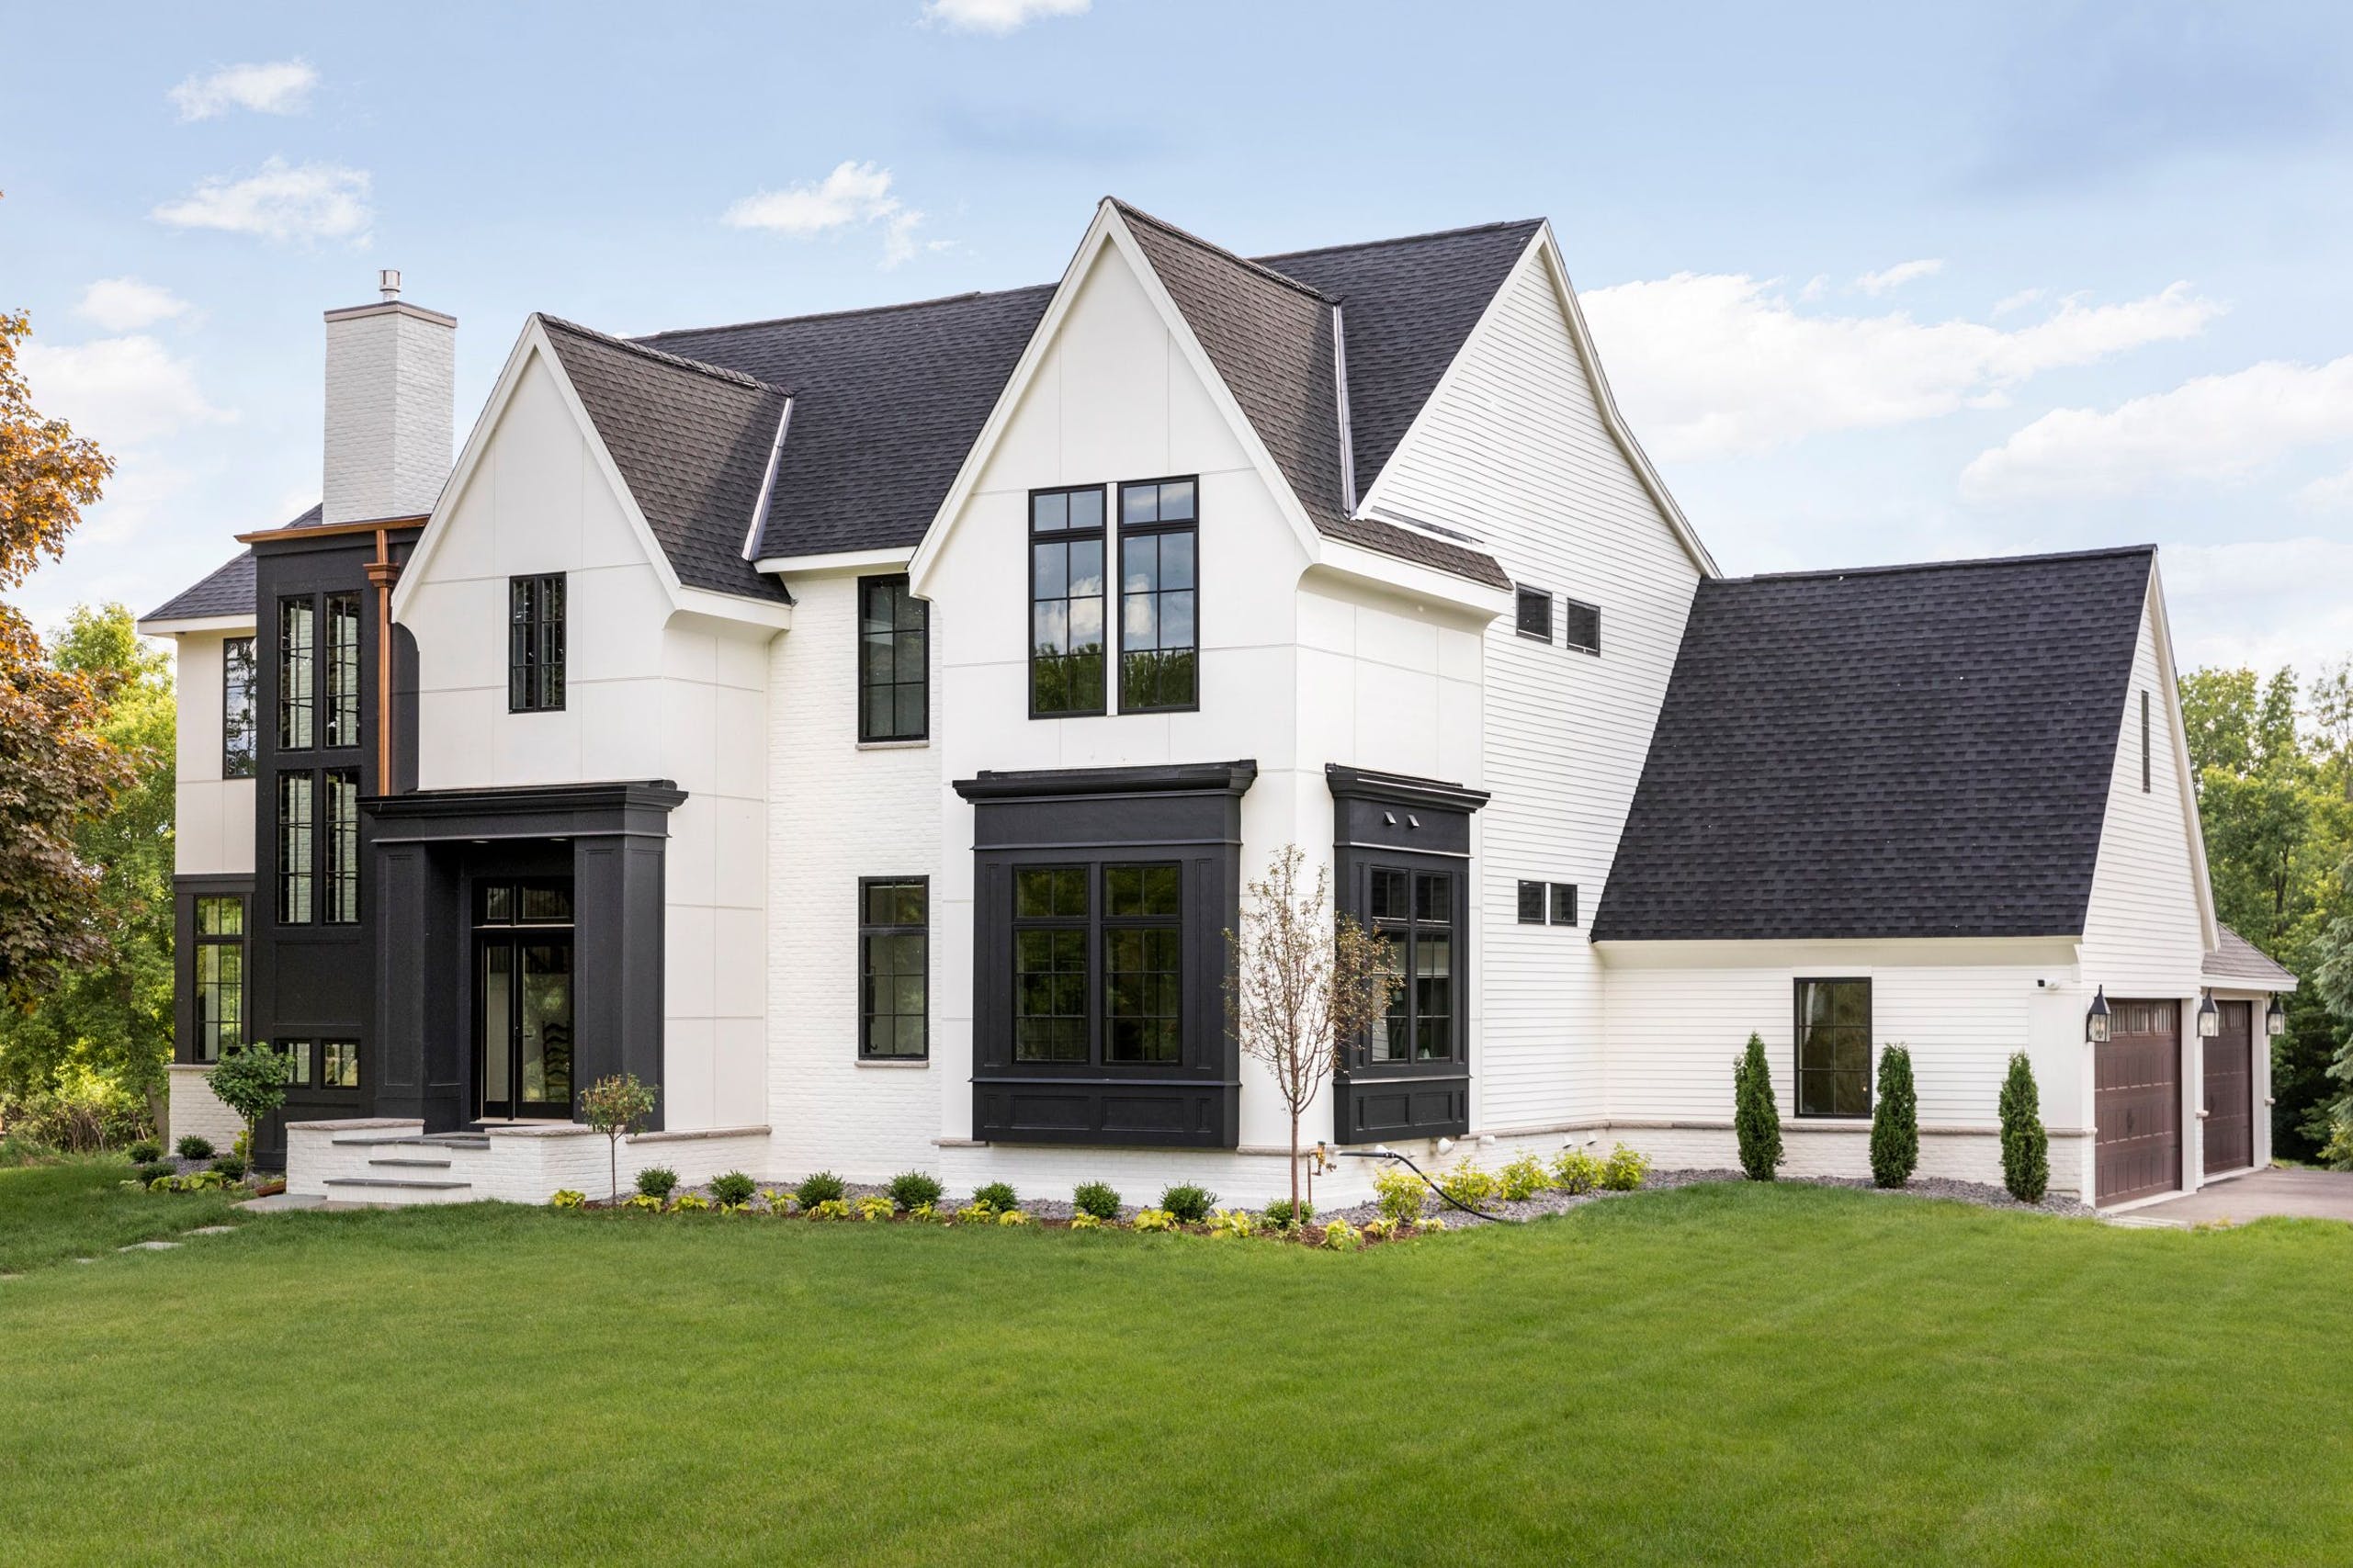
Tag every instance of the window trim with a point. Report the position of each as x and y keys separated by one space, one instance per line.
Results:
x=1797 y=1047
x=1030 y=541
x=1522 y=595
x=232 y=765
x=923 y=729
x=868 y=928
x=529 y=660
x=1115 y=596
x=1565 y=642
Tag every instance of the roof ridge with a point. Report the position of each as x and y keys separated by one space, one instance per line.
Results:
x=836 y=315
x=1244 y=262
x=676 y=361
x=1968 y=564
x=1407 y=239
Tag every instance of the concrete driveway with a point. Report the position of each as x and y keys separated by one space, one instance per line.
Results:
x=2308 y=1194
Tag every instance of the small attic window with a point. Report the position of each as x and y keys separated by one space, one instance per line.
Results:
x=1536 y=613
x=1582 y=626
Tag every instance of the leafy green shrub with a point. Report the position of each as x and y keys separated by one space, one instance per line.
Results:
x=231 y=1168
x=657 y=1181
x=733 y=1189
x=1400 y=1193
x=1576 y=1171
x=1155 y=1220
x=1522 y=1179
x=874 y=1208
x=1282 y=1215
x=1096 y=1199
x=824 y=1187
x=1188 y=1202
x=1341 y=1236
x=996 y=1196
x=913 y=1189
x=80 y=1112
x=1235 y=1223
x=1380 y=1228
x=1468 y=1184
x=196 y=1145
x=145 y=1174
x=146 y=1151
x=1623 y=1170
x=2026 y=1147
x=565 y=1197
x=1756 y=1119
x=1894 y=1120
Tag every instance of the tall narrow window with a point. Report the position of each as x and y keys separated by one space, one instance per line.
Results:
x=1143 y=953
x=1065 y=592
x=341 y=905
x=294 y=849
x=535 y=644
x=2144 y=742
x=1834 y=1047
x=342 y=669
x=239 y=733
x=220 y=976
x=1413 y=916
x=1050 y=963
x=1158 y=641
x=297 y=694
x=894 y=969
x=894 y=645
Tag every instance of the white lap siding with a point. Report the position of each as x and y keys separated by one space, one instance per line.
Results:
x=213 y=826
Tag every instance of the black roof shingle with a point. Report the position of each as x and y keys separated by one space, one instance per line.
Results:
x=1912 y=751
x=228 y=590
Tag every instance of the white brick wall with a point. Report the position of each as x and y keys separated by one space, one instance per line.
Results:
x=194 y=1108
x=391 y=374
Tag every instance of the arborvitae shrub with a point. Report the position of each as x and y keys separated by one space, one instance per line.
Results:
x=1894 y=1120
x=911 y=1190
x=1099 y=1199
x=1188 y=1202
x=656 y=1180
x=997 y=1197
x=2026 y=1147
x=1756 y=1119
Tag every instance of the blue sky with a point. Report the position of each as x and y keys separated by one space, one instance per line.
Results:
x=1873 y=282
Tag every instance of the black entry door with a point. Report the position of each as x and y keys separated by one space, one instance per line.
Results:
x=523 y=1001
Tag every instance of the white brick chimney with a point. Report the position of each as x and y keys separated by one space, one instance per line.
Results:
x=392 y=380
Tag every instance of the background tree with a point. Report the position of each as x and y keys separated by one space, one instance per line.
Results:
x=112 y=1018
x=1756 y=1116
x=616 y=1106
x=251 y=1081
x=1301 y=984
x=57 y=773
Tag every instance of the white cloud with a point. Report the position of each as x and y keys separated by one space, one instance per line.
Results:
x=1895 y=277
x=2019 y=300
x=284 y=201
x=125 y=304
x=276 y=86
x=118 y=390
x=2260 y=602
x=853 y=196
x=998 y=17
x=2215 y=428
x=1709 y=365
x=2333 y=493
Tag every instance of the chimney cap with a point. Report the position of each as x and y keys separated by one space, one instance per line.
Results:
x=387 y=282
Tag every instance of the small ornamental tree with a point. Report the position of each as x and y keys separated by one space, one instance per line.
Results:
x=616 y=1106
x=1756 y=1119
x=251 y=1081
x=2026 y=1147
x=1300 y=984
x=1894 y=1120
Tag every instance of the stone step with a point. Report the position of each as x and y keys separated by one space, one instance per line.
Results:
x=410 y=1161
x=396 y=1191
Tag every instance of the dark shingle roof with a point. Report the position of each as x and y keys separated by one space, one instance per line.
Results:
x=692 y=442
x=2239 y=959
x=228 y=590
x=1911 y=752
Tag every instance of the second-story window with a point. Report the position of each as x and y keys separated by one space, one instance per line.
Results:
x=341 y=905
x=239 y=730
x=1159 y=643
x=535 y=644
x=342 y=669
x=1065 y=592
x=296 y=806
x=894 y=644
x=298 y=696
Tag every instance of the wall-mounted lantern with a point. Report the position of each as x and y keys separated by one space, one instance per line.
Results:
x=2210 y=1017
x=2096 y=1022
x=2275 y=1018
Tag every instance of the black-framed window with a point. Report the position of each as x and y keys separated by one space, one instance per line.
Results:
x=1119 y=925
x=1531 y=903
x=1413 y=916
x=297 y=666
x=342 y=669
x=894 y=968
x=535 y=644
x=1534 y=617
x=299 y=1056
x=1065 y=608
x=1159 y=636
x=297 y=821
x=338 y=1063
x=1050 y=918
x=340 y=906
x=1563 y=903
x=1833 y=1047
x=1580 y=626
x=1143 y=964
x=240 y=727
x=894 y=660
x=217 y=964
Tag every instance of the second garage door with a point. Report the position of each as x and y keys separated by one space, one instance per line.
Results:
x=2229 y=1090
x=2137 y=1101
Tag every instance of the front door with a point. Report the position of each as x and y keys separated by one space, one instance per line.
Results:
x=522 y=1000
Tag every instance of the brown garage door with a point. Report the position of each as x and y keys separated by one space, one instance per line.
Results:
x=2137 y=1103
x=2229 y=1090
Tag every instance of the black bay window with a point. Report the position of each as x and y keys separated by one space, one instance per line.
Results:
x=535 y=644
x=894 y=968
x=894 y=654
x=1159 y=642
x=1065 y=592
x=239 y=734
x=1834 y=1047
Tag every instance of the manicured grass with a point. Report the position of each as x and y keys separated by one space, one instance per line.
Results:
x=1734 y=1374
x=77 y=1207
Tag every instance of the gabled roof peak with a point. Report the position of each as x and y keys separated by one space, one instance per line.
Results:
x=1525 y=225
x=1137 y=214
x=675 y=361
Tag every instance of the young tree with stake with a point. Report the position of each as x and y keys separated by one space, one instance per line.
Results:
x=1301 y=983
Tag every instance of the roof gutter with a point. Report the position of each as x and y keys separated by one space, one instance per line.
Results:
x=767 y=485
x=1340 y=380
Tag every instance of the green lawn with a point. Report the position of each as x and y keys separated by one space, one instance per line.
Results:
x=78 y=1208
x=1723 y=1374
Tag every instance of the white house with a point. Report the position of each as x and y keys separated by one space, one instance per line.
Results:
x=861 y=727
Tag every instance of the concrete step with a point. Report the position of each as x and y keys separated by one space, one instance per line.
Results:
x=410 y=1161
x=397 y=1190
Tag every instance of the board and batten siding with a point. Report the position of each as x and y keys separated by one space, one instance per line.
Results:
x=213 y=830
x=1514 y=451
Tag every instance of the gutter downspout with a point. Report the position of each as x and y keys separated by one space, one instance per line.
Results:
x=383 y=572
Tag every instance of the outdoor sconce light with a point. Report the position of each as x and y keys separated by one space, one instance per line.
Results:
x=2096 y=1022
x=2275 y=1018
x=2210 y=1017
